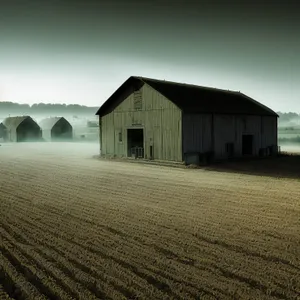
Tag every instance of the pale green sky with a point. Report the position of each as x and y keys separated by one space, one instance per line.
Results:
x=81 y=53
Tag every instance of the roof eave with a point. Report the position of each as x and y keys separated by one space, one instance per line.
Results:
x=266 y=108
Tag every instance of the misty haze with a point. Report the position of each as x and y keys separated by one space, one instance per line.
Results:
x=149 y=150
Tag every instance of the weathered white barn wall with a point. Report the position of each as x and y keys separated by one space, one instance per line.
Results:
x=196 y=133
x=225 y=131
x=160 y=119
x=245 y=124
x=263 y=128
x=270 y=131
x=205 y=132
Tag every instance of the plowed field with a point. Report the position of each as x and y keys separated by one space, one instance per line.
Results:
x=73 y=227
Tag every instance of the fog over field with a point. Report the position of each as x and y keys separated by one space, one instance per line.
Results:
x=293 y=148
x=43 y=149
x=76 y=227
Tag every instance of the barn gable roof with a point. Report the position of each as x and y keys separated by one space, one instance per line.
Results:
x=190 y=98
x=48 y=123
x=14 y=122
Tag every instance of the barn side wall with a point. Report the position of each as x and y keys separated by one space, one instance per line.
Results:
x=270 y=131
x=196 y=133
x=206 y=132
x=159 y=118
x=11 y=135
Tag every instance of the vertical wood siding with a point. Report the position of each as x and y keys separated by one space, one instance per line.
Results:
x=269 y=131
x=248 y=125
x=160 y=119
x=197 y=133
x=201 y=135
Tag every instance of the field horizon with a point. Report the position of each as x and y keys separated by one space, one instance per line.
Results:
x=76 y=227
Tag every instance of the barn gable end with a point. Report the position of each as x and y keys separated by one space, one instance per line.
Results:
x=156 y=116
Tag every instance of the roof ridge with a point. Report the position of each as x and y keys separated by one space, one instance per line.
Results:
x=190 y=98
x=187 y=84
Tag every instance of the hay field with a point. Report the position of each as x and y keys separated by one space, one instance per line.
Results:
x=73 y=227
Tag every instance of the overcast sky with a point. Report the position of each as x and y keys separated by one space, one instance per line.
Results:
x=82 y=51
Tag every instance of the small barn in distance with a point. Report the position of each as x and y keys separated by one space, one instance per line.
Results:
x=3 y=132
x=170 y=121
x=22 y=129
x=56 y=129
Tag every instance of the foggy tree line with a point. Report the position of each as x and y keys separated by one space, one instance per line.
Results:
x=76 y=109
x=46 y=108
x=288 y=117
x=289 y=128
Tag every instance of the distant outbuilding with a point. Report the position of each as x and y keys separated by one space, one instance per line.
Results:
x=22 y=129
x=3 y=132
x=56 y=129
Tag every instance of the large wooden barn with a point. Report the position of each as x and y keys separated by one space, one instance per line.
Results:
x=22 y=129
x=56 y=129
x=161 y=120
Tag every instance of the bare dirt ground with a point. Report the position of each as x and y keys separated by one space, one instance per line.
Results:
x=73 y=227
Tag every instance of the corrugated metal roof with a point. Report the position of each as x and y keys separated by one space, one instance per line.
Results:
x=14 y=122
x=48 y=123
x=190 y=98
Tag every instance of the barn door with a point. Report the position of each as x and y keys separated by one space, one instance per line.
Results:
x=247 y=144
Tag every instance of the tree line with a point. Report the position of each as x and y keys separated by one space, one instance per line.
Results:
x=46 y=108
x=76 y=109
x=288 y=117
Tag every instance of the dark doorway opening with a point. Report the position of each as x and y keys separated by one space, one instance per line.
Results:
x=247 y=144
x=135 y=142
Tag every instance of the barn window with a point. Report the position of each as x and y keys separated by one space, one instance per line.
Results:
x=137 y=98
x=120 y=136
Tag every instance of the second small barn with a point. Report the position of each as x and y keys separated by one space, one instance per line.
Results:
x=22 y=129
x=56 y=129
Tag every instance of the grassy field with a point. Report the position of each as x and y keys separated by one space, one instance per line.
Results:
x=72 y=227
